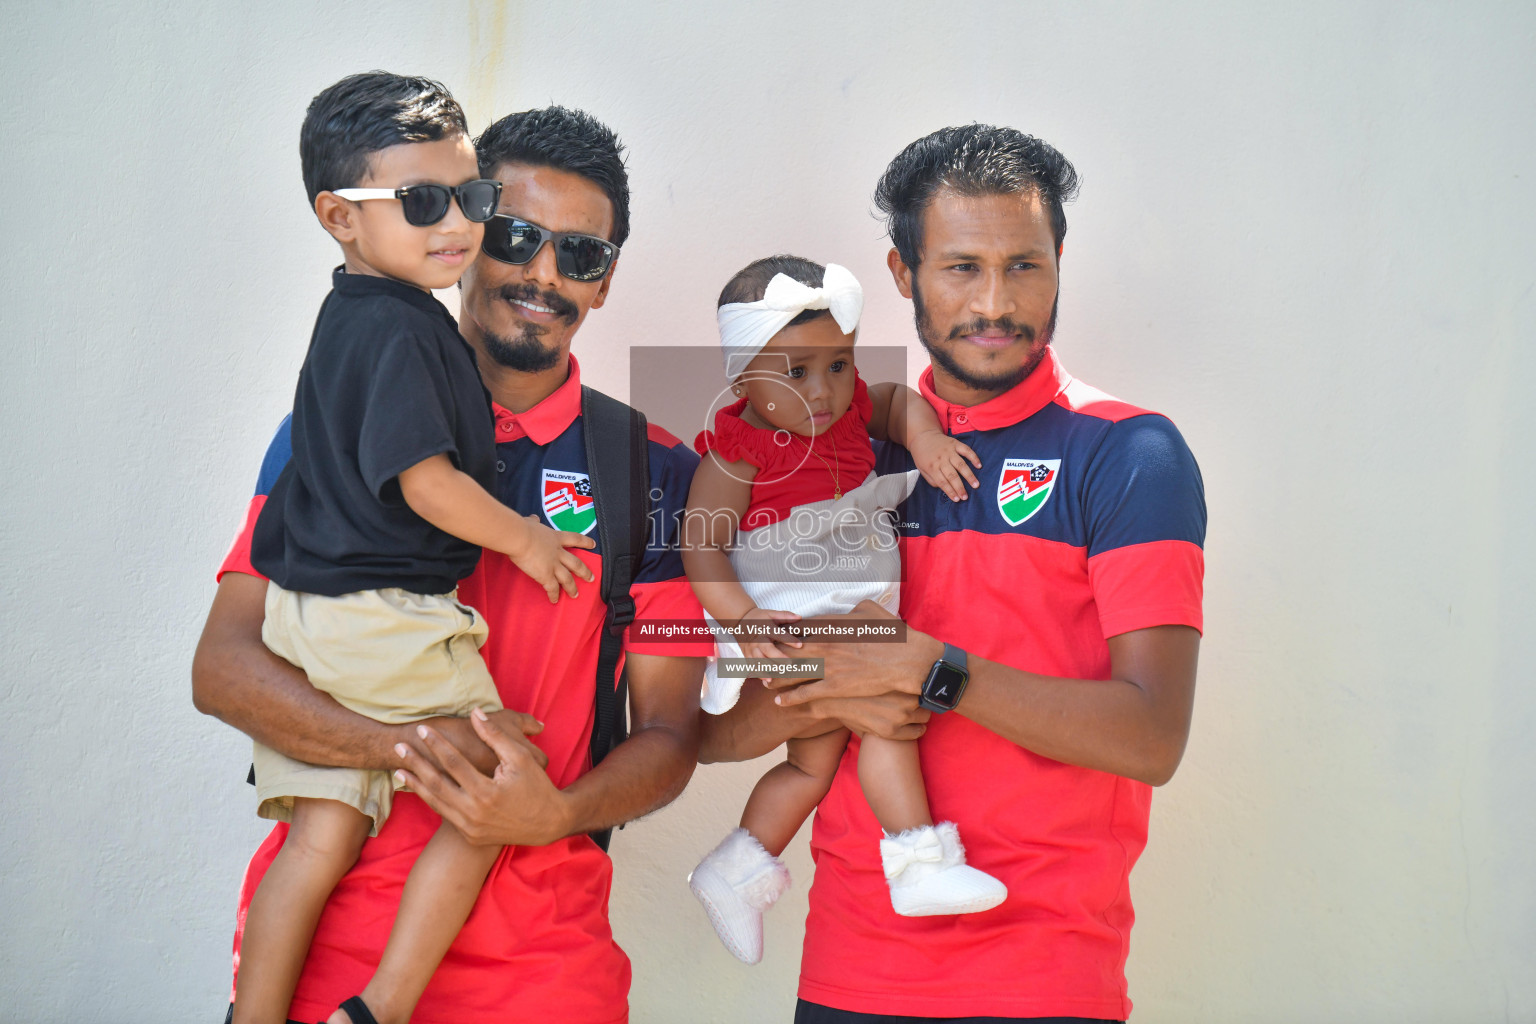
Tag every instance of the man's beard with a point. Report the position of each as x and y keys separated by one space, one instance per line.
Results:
x=1000 y=381
x=526 y=351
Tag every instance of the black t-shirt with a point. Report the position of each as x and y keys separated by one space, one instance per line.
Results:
x=387 y=383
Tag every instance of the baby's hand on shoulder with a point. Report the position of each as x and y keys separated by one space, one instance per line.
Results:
x=546 y=556
x=942 y=461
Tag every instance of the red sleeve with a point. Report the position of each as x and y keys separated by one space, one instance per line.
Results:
x=862 y=406
x=1159 y=583
x=239 y=557
x=736 y=440
x=668 y=600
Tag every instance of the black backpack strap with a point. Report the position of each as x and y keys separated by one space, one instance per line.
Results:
x=617 y=466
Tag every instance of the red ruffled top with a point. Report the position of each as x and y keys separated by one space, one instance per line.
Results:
x=787 y=474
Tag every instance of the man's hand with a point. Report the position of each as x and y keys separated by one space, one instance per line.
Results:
x=459 y=732
x=893 y=716
x=862 y=670
x=516 y=806
x=864 y=690
x=1133 y=724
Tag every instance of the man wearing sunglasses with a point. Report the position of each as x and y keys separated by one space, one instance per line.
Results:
x=537 y=945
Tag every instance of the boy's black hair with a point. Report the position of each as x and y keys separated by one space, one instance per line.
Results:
x=751 y=281
x=970 y=160
x=566 y=140
x=364 y=113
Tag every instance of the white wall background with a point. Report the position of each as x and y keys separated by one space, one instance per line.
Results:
x=1306 y=232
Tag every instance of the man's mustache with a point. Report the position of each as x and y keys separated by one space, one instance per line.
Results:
x=563 y=307
x=982 y=326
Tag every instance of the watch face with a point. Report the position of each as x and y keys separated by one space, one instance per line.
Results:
x=944 y=686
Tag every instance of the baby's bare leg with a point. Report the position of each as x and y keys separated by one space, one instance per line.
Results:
x=786 y=796
x=892 y=780
x=323 y=842
x=438 y=896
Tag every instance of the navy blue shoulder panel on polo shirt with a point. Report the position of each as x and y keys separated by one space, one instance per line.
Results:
x=1118 y=482
x=387 y=383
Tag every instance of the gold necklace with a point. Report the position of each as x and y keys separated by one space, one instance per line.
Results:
x=837 y=484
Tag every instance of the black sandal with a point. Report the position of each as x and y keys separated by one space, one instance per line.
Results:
x=358 y=1011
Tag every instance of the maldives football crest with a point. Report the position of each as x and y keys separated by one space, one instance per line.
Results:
x=1025 y=486
x=568 y=501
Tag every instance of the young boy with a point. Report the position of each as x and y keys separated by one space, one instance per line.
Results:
x=380 y=513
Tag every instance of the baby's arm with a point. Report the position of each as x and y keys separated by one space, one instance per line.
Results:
x=450 y=500
x=719 y=497
x=901 y=415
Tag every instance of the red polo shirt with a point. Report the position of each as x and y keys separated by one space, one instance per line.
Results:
x=537 y=945
x=1089 y=523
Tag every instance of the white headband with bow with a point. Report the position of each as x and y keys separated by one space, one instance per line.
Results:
x=745 y=327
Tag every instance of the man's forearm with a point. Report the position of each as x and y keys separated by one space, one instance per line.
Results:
x=645 y=772
x=1133 y=724
x=1110 y=725
x=752 y=728
x=649 y=769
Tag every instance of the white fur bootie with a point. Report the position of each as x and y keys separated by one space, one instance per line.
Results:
x=926 y=870
x=736 y=882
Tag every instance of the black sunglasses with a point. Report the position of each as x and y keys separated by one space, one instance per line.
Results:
x=578 y=257
x=428 y=204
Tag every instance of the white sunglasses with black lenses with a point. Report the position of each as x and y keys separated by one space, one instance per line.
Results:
x=428 y=204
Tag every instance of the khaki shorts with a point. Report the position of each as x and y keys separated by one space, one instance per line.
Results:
x=390 y=654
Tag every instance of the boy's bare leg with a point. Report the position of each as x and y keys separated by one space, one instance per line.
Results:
x=892 y=780
x=323 y=842
x=439 y=894
x=790 y=791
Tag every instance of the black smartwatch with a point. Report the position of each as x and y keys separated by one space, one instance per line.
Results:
x=946 y=681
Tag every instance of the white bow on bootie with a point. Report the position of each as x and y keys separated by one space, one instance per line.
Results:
x=924 y=848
